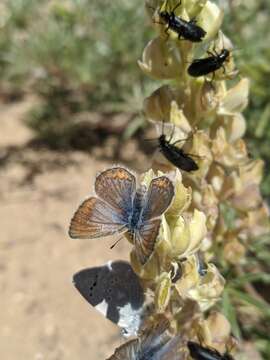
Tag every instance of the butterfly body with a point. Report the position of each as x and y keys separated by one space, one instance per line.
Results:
x=121 y=208
x=199 y=352
x=176 y=155
x=135 y=218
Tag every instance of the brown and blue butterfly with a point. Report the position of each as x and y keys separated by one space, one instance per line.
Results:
x=119 y=207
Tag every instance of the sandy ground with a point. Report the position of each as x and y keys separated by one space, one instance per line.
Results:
x=43 y=317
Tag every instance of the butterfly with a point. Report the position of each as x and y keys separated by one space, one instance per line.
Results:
x=153 y=344
x=119 y=208
x=114 y=290
x=199 y=352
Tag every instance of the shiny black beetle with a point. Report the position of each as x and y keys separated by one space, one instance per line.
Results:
x=175 y=155
x=210 y=64
x=187 y=30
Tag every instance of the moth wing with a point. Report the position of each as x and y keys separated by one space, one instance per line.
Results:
x=117 y=187
x=145 y=239
x=93 y=219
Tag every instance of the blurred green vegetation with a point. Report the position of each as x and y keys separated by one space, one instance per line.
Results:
x=247 y=24
x=80 y=56
x=77 y=56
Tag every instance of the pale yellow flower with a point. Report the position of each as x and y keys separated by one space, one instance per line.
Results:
x=184 y=234
x=233 y=250
x=227 y=154
x=235 y=99
x=210 y=19
x=205 y=290
x=215 y=331
x=163 y=292
x=159 y=60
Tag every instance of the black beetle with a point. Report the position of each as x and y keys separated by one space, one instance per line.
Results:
x=175 y=155
x=210 y=64
x=187 y=30
x=199 y=352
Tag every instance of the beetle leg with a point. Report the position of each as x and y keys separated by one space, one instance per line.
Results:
x=171 y=136
x=224 y=70
x=193 y=21
x=167 y=32
x=177 y=5
x=180 y=37
x=211 y=81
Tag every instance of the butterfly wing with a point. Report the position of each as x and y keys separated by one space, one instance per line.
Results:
x=144 y=347
x=158 y=198
x=117 y=187
x=127 y=351
x=145 y=239
x=108 y=214
x=114 y=290
x=154 y=343
x=174 y=349
x=94 y=218
x=157 y=344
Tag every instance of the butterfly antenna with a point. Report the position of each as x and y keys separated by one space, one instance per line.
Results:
x=117 y=241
